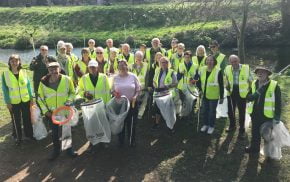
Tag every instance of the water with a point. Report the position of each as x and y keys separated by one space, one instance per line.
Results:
x=274 y=57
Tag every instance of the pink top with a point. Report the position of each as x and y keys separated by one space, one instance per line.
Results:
x=126 y=85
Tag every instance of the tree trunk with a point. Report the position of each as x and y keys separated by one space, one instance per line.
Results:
x=285 y=11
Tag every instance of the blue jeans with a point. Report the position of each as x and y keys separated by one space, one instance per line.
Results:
x=209 y=111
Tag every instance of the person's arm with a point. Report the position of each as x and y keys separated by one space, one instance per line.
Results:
x=29 y=89
x=277 y=114
x=107 y=85
x=41 y=99
x=174 y=81
x=137 y=87
x=34 y=64
x=5 y=91
x=71 y=94
x=221 y=84
x=80 y=89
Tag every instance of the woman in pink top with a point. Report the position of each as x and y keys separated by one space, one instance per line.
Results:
x=125 y=83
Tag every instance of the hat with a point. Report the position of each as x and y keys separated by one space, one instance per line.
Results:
x=214 y=43
x=262 y=66
x=53 y=64
x=93 y=63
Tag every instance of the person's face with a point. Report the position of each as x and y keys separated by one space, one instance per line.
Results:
x=68 y=49
x=173 y=44
x=113 y=55
x=235 y=62
x=91 y=44
x=187 y=58
x=110 y=43
x=93 y=70
x=125 y=49
x=180 y=50
x=210 y=62
x=262 y=75
x=54 y=71
x=85 y=55
x=155 y=43
x=43 y=52
x=142 y=48
x=100 y=54
x=158 y=57
x=138 y=59
x=122 y=67
x=14 y=63
x=164 y=63
x=214 y=48
x=200 y=52
x=62 y=50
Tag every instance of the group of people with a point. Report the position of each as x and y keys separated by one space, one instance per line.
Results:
x=143 y=77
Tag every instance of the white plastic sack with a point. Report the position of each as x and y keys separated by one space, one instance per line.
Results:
x=39 y=130
x=35 y=114
x=117 y=110
x=75 y=119
x=247 y=121
x=275 y=137
x=222 y=109
x=95 y=122
x=66 y=138
x=187 y=105
x=167 y=109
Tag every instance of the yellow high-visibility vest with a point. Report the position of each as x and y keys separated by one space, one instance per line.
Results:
x=195 y=61
x=187 y=74
x=269 y=104
x=141 y=75
x=243 y=79
x=18 y=91
x=212 y=86
x=176 y=61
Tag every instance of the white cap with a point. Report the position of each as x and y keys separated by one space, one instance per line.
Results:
x=53 y=64
x=93 y=63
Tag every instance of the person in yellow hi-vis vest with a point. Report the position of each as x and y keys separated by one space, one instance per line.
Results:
x=81 y=67
x=212 y=87
x=265 y=105
x=170 y=52
x=102 y=62
x=55 y=90
x=94 y=85
x=220 y=57
x=92 y=48
x=140 y=69
x=126 y=54
x=200 y=56
x=18 y=97
x=73 y=59
x=238 y=83
x=112 y=62
x=178 y=57
x=65 y=62
x=151 y=52
x=110 y=45
x=164 y=81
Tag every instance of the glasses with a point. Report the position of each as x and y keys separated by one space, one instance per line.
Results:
x=99 y=52
x=90 y=42
x=44 y=50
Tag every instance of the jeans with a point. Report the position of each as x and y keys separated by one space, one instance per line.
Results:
x=209 y=111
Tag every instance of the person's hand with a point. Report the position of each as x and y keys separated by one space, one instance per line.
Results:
x=88 y=95
x=221 y=101
x=133 y=102
x=48 y=114
x=9 y=107
x=117 y=94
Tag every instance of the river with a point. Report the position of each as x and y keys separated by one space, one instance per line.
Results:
x=274 y=57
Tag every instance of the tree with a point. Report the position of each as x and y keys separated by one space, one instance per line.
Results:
x=285 y=12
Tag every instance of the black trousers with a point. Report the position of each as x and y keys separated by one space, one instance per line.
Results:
x=55 y=135
x=130 y=126
x=235 y=101
x=20 y=112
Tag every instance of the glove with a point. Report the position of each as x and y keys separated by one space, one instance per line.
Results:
x=88 y=96
x=221 y=101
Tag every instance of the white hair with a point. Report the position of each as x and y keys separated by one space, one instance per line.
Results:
x=60 y=44
x=68 y=44
x=234 y=56
x=139 y=53
x=200 y=47
x=100 y=48
x=44 y=47
x=113 y=49
x=181 y=45
x=127 y=45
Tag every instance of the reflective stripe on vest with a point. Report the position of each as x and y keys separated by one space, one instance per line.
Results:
x=184 y=81
x=243 y=79
x=18 y=90
x=56 y=98
x=141 y=75
x=98 y=91
x=220 y=59
x=212 y=87
x=269 y=104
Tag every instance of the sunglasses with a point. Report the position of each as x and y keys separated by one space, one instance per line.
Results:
x=99 y=53
x=44 y=49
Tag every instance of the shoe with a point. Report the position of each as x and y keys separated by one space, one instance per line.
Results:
x=155 y=127
x=139 y=116
x=72 y=153
x=210 y=130
x=231 y=128
x=53 y=156
x=204 y=128
x=251 y=150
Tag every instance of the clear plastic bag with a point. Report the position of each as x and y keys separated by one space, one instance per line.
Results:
x=39 y=129
x=187 y=105
x=96 y=124
x=117 y=110
x=222 y=109
x=167 y=109
x=75 y=119
x=35 y=113
x=275 y=137
x=66 y=137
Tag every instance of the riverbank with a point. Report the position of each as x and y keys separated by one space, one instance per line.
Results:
x=135 y=24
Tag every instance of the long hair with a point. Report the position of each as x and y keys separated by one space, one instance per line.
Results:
x=15 y=56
